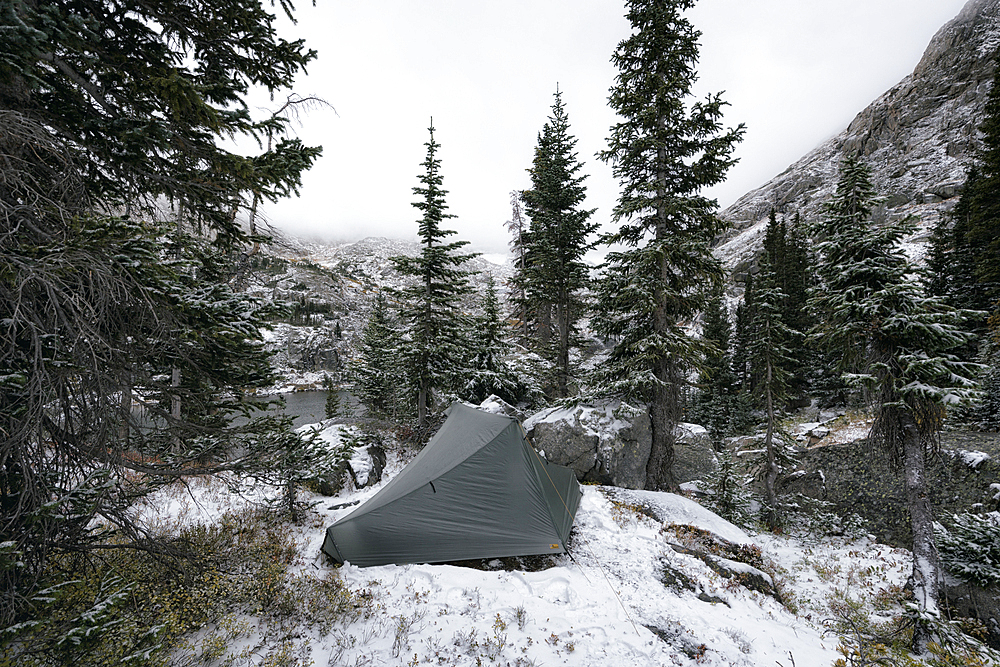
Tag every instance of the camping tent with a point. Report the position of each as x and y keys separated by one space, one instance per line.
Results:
x=477 y=490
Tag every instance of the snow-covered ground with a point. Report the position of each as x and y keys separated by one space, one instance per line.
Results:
x=605 y=604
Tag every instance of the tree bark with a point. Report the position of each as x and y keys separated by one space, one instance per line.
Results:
x=662 y=417
x=925 y=557
x=772 y=513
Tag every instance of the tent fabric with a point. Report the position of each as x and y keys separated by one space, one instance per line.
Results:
x=477 y=490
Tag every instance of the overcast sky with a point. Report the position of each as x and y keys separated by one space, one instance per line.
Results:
x=795 y=72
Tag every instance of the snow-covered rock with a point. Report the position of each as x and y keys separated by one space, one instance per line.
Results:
x=607 y=444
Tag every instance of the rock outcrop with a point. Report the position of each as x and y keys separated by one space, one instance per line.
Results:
x=610 y=444
x=606 y=444
x=917 y=137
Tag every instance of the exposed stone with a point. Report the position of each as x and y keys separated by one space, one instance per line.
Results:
x=917 y=137
x=694 y=455
x=496 y=405
x=606 y=444
x=970 y=601
x=748 y=576
x=858 y=480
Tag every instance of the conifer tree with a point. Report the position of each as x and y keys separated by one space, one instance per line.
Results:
x=107 y=112
x=431 y=302
x=488 y=372
x=714 y=403
x=893 y=342
x=771 y=358
x=743 y=337
x=517 y=295
x=377 y=372
x=664 y=151
x=556 y=274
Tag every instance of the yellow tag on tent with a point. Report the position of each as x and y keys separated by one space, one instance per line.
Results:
x=554 y=546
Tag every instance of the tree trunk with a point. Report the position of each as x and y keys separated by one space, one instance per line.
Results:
x=925 y=557
x=545 y=327
x=663 y=411
x=562 y=317
x=422 y=405
x=659 y=468
x=772 y=514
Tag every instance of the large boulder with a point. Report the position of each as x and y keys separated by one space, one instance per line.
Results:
x=604 y=444
x=694 y=455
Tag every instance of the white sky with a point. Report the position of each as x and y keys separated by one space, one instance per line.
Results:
x=794 y=71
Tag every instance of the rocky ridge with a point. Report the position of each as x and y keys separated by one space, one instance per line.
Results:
x=918 y=138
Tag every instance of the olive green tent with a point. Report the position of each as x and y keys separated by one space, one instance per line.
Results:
x=477 y=490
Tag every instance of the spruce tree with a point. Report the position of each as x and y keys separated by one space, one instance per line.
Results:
x=488 y=372
x=893 y=342
x=117 y=123
x=714 y=403
x=743 y=337
x=377 y=371
x=664 y=152
x=560 y=236
x=771 y=358
x=517 y=293
x=431 y=303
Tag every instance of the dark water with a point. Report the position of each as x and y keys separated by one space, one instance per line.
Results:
x=307 y=407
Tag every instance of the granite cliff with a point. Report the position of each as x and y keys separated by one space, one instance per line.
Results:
x=918 y=138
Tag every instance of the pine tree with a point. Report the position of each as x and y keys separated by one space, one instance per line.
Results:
x=714 y=403
x=560 y=237
x=743 y=337
x=488 y=372
x=771 y=357
x=431 y=309
x=517 y=294
x=663 y=152
x=978 y=210
x=107 y=112
x=377 y=372
x=893 y=342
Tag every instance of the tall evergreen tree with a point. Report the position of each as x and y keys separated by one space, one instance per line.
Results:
x=714 y=403
x=377 y=371
x=430 y=308
x=893 y=342
x=664 y=151
x=107 y=110
x=560 y=236
x=771 y=357
x=743 y=337
x=517 y=294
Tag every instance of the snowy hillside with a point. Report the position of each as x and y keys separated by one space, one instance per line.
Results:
x=334 y=284
x=631 y=592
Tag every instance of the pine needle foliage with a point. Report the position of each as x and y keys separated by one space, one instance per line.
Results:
x=119 y=224
x=894 y=344
x=488 y=371
x=561 y=233
x=378 y=372
x=431 y=304
x=663 y=151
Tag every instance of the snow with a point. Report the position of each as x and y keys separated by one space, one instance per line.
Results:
x=603 y=420
x=671 y=508
x=974 y=459
x=594 y=608
x=603 y=604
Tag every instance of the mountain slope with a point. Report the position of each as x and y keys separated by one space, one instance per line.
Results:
x=917 y=137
